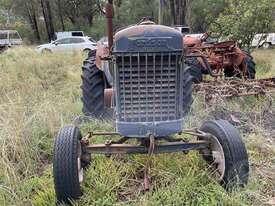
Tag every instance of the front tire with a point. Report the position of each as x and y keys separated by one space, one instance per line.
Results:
x=67 y=167
x=46 y=51
x=226 y=153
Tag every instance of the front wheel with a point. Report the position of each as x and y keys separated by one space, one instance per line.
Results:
x=67 y=167
x=226 y=153
x=46 y=51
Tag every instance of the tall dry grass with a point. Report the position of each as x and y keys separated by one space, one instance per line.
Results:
x=265 y=62
x=40 y=93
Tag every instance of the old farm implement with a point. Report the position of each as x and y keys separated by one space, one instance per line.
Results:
x=235 y=87
x=232 y=69
x=152 y=94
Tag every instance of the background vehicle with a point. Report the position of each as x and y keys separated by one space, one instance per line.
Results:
x=68 y=44
x=63 y=34
x=263 y=40
x=182 y=29
x=152 y=96
x=9 y=38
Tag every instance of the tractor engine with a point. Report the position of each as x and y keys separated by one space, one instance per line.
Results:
x=148 y=80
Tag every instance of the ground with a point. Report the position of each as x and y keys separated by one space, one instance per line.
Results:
x=41 y=93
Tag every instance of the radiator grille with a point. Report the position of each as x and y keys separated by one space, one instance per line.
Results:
x=148 y=87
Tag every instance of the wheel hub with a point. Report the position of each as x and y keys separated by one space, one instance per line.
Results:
x=215 y=151
x=79 y=167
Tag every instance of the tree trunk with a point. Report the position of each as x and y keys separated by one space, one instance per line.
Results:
x=45 y=4
x=172 y=12
x=161 y=11
x=60 y=14
x=50 y=18
x=180 y=11
x=33 y=19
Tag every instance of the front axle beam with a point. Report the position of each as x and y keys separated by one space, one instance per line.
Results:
x=168 y=147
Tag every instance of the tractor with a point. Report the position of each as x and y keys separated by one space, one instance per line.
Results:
x=219 y=59
x=152 y=96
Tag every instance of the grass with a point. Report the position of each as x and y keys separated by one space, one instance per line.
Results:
x=265 y=60
x=40 y=93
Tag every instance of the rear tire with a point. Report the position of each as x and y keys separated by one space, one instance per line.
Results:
x=266 y=45
x=195 y=69
x=251 y=68
x=232 y=153
x=67 y=169
x=187 y=85
x=93 y=86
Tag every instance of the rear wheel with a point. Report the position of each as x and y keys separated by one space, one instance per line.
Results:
x=195 y=69
x=266 y=45
x=251 y=68
x=188 y=80
x=67 y=167
x=226 y=153
x=93 y=86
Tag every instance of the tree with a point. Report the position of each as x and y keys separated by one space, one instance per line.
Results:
x=32 y=16
x=180 y=11
x=47 y=13
x=241 y=20
x=204 y=12
x=60 y=14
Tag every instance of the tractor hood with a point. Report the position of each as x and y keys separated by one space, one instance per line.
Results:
x=148 y=37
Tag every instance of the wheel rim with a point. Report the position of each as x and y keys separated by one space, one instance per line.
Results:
x=266 y=46
x=79 y=167
x=215 y=150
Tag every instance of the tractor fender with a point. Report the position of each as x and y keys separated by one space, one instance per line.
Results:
x=102 y=50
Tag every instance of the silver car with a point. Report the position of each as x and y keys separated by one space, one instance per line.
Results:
x=68 y=44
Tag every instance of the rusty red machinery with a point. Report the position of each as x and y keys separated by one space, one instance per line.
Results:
x=152 y=95
x=225 y=59
x=232 y=69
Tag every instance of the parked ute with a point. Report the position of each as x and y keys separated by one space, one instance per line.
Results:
x=68 y=44
x=9 y=38
x=263 y=40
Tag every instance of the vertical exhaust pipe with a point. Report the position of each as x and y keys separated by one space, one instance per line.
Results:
x=109 y=17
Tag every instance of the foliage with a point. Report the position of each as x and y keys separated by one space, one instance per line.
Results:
x=241 y=20
x=204 y=12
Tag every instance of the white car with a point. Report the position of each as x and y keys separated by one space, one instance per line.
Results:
x=68 y=44
x=264 y=40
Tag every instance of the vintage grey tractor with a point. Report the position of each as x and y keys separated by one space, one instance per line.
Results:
x=152 y=95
